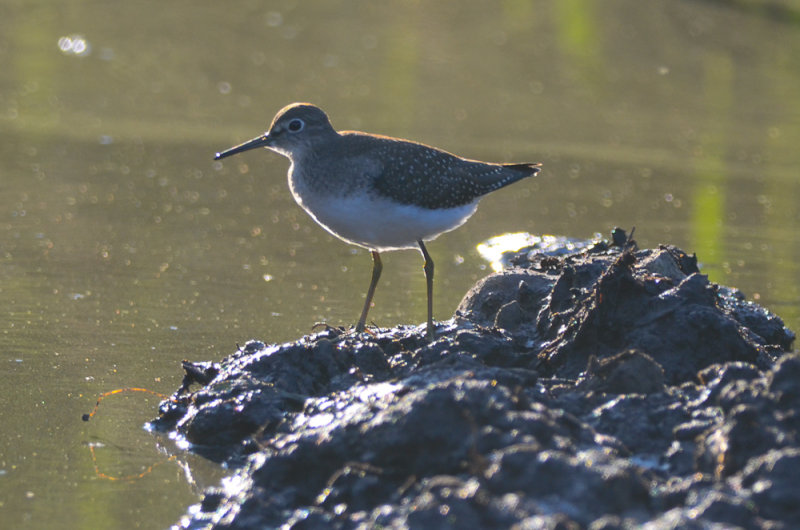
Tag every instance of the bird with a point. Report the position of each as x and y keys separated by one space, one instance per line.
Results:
x=378 y=192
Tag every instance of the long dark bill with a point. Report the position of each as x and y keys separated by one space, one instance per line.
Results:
x=260 y=141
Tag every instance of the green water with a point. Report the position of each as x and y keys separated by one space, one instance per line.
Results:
x=124 y=248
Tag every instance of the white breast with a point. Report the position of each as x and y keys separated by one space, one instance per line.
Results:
x=380 y=224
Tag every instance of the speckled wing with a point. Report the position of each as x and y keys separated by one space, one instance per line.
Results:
x=427 y=177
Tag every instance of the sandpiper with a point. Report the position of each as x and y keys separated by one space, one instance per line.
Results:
x=378 y=192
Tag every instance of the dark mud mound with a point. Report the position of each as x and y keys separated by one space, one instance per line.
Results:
x=608 y=388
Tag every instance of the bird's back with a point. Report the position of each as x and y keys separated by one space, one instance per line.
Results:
x=416 y=174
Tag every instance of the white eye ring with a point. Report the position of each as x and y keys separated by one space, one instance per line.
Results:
x=296 y=125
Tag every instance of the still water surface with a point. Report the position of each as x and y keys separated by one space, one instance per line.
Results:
x=124 y=248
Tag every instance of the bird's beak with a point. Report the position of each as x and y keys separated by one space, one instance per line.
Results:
x=261 y=141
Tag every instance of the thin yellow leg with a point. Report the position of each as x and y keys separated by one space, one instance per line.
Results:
x=428 y=268
x=377 y=267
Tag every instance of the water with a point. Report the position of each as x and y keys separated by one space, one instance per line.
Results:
x=124 y=248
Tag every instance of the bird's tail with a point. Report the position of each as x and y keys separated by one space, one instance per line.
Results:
x=531 y=169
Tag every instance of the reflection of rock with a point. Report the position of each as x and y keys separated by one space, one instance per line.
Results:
x=606 y=387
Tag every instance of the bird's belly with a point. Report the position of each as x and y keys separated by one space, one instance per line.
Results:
x=380 y=224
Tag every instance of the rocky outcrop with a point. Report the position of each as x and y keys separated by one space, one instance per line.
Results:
x=600 y=389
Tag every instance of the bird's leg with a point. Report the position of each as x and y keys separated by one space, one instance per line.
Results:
x=428 y=268
x=377 y=267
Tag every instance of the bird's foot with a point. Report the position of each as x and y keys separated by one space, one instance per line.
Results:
x=360 y=328
x=430 y=334
x=336 y=330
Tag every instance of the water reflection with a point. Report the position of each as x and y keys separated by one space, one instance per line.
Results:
x=74 y=45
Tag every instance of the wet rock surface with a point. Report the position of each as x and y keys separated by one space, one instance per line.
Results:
x=599 y=389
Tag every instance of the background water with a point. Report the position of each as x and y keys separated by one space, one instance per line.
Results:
x=124 y=248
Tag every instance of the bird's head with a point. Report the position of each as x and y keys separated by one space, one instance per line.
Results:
x=296 y=129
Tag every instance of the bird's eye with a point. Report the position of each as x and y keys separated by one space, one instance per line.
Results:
x=296 y=125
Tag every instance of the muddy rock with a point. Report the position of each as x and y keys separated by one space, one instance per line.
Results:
x=606 y=388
